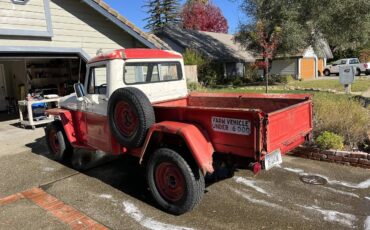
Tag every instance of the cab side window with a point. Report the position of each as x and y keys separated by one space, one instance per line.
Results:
x=97 y=80
x=139 y=73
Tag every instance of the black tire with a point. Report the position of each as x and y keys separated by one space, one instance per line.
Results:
x=57 y=141
x=130 y=115
x=358 y=72
x=180 y=172
x=327 y=72
x=367 y=72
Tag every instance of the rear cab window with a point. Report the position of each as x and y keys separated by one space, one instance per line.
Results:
x=151 y=72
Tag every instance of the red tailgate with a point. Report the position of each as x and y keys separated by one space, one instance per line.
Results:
x=287 y=128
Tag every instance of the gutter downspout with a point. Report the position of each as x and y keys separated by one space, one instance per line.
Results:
x=316 y=66
x=299 y=68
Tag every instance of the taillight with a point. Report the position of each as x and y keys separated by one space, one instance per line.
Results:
x=365 y=65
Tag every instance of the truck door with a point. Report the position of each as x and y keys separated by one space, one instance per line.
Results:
x=96 y=108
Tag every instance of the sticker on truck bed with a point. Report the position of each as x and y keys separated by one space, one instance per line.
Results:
x=231 y=125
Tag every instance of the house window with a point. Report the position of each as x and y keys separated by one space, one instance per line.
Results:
x=23 y=2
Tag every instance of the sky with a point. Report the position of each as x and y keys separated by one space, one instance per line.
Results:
x=133 y=11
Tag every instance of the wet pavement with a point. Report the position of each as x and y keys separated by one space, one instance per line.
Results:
x=115 y=194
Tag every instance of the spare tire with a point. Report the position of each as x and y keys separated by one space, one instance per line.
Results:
x=130 y=115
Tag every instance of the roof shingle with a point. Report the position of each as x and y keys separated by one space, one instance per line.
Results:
x=149 y=37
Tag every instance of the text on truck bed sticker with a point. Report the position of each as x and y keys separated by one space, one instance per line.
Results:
x=231 y=125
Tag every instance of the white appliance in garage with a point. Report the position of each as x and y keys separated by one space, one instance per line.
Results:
x=3 y=92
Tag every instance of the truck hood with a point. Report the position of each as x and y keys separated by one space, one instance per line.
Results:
x=69 y=102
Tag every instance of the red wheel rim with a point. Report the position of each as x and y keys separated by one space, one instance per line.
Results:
x=54 y=143
x=170 y=181
x=126 y=119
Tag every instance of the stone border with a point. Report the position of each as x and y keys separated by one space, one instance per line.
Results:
x=63 y=212
x=357 y=159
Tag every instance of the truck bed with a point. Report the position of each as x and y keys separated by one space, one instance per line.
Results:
x=249 y=125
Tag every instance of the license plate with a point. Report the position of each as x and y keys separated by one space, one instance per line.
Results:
x=272 y=159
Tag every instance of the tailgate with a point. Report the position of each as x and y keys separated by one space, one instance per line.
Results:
x=288 y=127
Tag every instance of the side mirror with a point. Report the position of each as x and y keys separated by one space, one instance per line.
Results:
x=79 y=90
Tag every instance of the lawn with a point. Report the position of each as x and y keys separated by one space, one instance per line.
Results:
x=360 y=85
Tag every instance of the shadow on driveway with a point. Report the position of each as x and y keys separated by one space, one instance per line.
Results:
x=122 y=172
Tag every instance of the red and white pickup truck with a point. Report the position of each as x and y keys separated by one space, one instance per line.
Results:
x=135 y=101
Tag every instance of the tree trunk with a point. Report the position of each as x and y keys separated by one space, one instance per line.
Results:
x=267 y=73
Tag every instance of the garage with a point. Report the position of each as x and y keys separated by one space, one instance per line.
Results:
x=36 y=76
x=44 y=51
x=40 y=76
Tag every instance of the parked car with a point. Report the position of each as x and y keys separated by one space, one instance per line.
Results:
x=136 y=101
x=355 y=62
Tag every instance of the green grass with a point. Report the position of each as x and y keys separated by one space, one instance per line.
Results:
x=360 y=85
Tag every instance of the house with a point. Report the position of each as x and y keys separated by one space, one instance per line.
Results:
x=217 y=47
x=44 y=44
x=308 y=64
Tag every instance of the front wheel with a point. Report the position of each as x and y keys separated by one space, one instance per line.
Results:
x=175 y=186
x=327 y=72
x=57 y=142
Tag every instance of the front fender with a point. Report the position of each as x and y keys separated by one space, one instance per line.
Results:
x=65 y=116
x=195 y=138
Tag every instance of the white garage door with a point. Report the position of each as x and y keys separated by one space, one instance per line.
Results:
x=284 y=67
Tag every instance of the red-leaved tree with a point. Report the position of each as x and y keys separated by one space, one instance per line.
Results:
x=197 y=15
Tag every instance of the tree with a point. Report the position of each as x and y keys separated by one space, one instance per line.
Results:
x=343 y=23
x=202 y=1
x=161 y=13
x=155 y=20
x=272 y=30
x=197 y=15
x=170 y=11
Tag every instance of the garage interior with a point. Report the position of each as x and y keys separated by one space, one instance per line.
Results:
x=36 y=75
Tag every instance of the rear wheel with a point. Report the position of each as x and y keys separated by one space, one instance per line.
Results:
x=327 y=72
x=57 y=142
x=175 y=186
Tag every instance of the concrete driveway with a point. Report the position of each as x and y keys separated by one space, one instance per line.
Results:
x=115 y=195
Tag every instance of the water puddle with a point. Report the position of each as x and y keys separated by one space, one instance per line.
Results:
x=313 y=179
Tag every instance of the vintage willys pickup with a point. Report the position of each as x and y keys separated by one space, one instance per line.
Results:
x=135 y=101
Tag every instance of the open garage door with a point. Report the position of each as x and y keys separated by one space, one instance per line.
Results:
x=49 y=74
x=38 y=75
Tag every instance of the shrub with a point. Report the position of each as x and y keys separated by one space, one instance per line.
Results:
x=211 y=74
x=191 y=57
x=329 y=140
x=342 y=115
x=285 y=79
x=194 y=86
x=251 y=74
